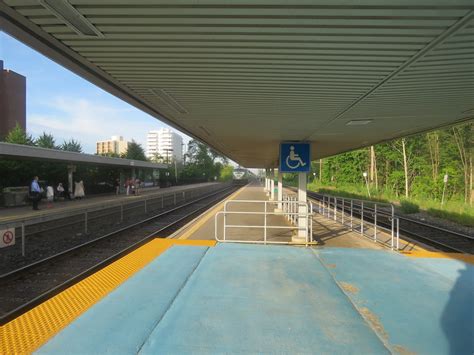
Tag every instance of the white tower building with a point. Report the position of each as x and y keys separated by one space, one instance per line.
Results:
x=166 y=143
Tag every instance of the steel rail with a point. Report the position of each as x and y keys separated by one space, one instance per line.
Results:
x=107 y=235
x=82 y=275
x=409 y=233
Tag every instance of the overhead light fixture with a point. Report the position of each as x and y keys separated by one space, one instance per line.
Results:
x=63 y=10
x=169 y=100
x=358 y=122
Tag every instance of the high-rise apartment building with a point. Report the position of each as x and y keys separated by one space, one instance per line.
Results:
x=166 y=143
x=12 y=100
x=115 y=145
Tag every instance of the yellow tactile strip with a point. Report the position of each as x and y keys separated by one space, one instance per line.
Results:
x=429 y=254
x=32 y=329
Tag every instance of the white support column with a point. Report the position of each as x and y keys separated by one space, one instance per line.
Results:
x=266 y=180
x=71 y=169
x=272 y=185
x=280 y=189
x=302 y=222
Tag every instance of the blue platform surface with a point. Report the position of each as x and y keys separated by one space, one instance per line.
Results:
x=423 y=306
x=278 y=299
x=121 y=322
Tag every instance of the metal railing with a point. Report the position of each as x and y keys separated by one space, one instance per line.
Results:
x=362 y=215
x=268 y=209
x=113 y=211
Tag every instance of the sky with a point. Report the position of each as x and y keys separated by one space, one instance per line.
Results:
x=67 y=106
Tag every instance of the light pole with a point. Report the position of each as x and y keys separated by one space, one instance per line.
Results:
x=445 y=180
x=366 y=182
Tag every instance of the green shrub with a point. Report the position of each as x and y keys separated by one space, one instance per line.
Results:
x=409 y=207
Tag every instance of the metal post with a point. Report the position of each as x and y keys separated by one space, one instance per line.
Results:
x=225 y=215
x=85 y=223
x=301 y=201
x=290 y=206
x=280 y=189
x=335 y=208
x=293 y=209
x=362 y=217
x=352 y=206
x=265 y=224
x=329 y=206
x=398 y=234
x=23 y=241
x=342 y=214
x=272 y=188
x=392 y=223
x=375 y=222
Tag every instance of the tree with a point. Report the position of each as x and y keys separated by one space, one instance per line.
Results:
x=157 y=158
x=433 y=145
x=463 y=137
x=135 y=151
x=72 y=146
x=110 y=155
x=226 y=173
x=19 y=136
x=202 y=162
x=373 y=168
x=46 y=141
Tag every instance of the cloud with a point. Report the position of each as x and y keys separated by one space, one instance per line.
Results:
x=89 y=121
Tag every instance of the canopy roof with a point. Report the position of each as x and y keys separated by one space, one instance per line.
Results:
x=18 y=151
x=244 y=75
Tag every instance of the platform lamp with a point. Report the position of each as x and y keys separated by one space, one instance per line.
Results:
x=366 y=182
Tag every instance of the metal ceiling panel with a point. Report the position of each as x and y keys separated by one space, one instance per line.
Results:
x=243 y=76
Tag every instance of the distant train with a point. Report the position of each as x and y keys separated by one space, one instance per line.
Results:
x=240 y=176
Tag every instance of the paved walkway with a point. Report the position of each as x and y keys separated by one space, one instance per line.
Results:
x=203 y=228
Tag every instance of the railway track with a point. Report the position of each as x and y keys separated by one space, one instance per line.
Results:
x=24 y=288
x=437 y=237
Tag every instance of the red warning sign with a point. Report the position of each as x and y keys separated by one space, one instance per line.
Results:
x=7 y=237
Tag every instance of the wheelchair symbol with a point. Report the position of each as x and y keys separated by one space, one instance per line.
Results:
x=295 y=159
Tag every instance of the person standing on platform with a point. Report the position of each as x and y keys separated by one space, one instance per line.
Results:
x=137 y=186
x=35 y=193
x=60 y=190
x=49 y=195
x=79 y=190
x=117 y=186
x=127 y=186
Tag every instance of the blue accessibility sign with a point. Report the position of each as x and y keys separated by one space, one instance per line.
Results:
x=295 y=157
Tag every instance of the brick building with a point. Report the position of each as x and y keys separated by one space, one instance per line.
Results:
x=12 y=100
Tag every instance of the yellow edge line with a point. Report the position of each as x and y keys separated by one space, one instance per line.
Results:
x=29 y=331
x=430 y=254
x=209 y=215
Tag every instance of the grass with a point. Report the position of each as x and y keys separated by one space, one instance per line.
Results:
x=409 y=207
x=453 y=210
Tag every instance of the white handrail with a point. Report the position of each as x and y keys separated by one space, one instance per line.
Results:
x=292 y=213
x=330 y=204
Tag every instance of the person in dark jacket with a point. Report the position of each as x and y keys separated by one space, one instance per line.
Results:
x=35 y=193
